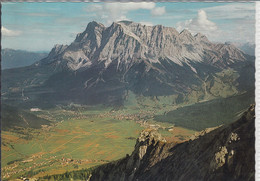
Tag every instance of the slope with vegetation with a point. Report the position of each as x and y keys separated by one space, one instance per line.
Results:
x=226 y=153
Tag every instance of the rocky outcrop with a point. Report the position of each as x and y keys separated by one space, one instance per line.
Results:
x=147 y=151
x=126 y=42
x=226 y=153
x=148 y=60
x=103 y=63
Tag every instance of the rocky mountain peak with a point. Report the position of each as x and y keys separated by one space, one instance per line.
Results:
x=54 y=53
x=94 y=24
x=144 y=59
x=92 y=30
x=57 y=49
x=201 y=37
x=128 y=42
x=148 y=137
x=186 y=36
x=127 y=23
x=185 y=32
x=104 y=63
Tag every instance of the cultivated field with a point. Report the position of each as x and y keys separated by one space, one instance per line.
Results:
x=78 y=137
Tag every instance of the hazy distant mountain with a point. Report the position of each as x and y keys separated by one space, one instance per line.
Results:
x=18 y=58
x=104 y=63
x=248 y=48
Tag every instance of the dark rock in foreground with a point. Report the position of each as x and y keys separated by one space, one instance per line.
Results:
x=226 y=153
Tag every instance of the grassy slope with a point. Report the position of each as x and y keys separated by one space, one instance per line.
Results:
x=12 y=117
x=208 y=114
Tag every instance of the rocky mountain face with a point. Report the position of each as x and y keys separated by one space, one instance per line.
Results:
x=104 y=63
x=18 y=58
x=127 y=42
x=226 y=153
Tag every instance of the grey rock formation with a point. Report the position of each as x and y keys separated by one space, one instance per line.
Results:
x=127 y=42
x=104 y=63
x=226 y=153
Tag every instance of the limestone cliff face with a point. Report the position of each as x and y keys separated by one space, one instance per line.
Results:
x=103 y=63
x=127 y=43
x=226 y=153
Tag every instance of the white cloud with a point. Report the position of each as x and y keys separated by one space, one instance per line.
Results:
x=200 y=24
x=233 y=20
x=240 y=32
x=232 y=11
x=110 y=12
x=158 y=11
x=146 y=23
x=7 y=32
x=239 y=18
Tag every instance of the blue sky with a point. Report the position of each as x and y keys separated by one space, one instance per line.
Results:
x=39 y=26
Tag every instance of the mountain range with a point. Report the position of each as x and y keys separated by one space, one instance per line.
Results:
x=248 y=48
x=103 y=64
x=11 y=58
